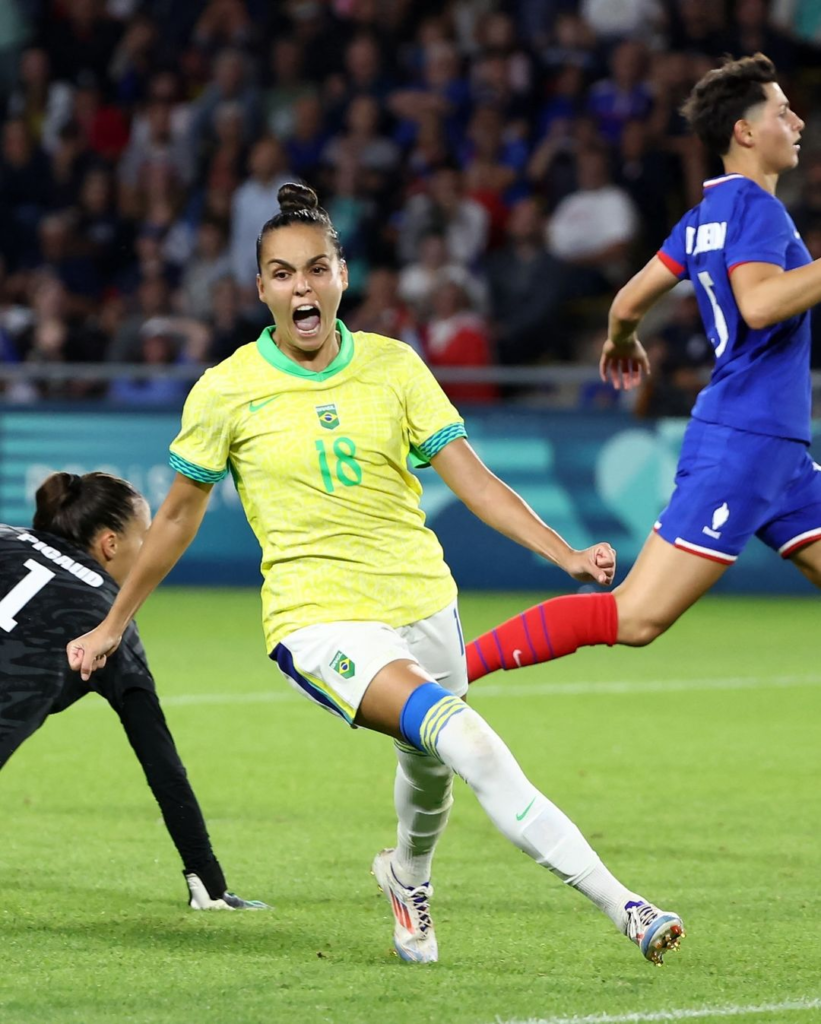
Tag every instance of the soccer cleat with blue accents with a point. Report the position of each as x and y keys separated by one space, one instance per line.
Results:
x=200 y=900
x=413 y=936
x=654 y=931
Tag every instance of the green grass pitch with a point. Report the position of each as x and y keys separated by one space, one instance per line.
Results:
x=693 y=766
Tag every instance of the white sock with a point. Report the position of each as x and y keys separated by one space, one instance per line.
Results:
x=423 y=799
x=525 y=816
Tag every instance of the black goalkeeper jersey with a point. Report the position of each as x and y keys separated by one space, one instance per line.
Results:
x=50 y=593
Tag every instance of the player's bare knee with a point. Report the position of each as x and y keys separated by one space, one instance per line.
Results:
x=639 y=632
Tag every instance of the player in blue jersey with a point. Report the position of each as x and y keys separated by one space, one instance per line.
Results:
x=744 y=468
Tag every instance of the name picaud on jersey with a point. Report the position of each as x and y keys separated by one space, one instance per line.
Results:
x=706 y=237
x=93 y=579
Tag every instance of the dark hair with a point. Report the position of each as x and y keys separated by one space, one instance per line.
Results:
x=298 y=204
x=76 y=507
x=724 y=95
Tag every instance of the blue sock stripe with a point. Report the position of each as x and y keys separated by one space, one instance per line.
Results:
x=425 y=713
x=436 y=721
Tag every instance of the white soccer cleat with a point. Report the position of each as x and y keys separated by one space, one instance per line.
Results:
x=413 y=936
x=200 y=900
x=654 y=931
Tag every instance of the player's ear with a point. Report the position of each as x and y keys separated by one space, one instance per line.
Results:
x=343 y=270
x=107 y=544
x=743 y=133
x=259 y=289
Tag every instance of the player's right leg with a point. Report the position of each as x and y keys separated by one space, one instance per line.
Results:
x=728 y=483
x=401 y=702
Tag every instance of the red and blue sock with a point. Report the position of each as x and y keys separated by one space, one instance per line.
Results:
x=545 y=632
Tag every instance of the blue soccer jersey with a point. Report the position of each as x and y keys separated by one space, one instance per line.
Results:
x=761 y=379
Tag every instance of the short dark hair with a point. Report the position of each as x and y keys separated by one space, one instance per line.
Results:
x=76 y=507
x=298 y=204
x=724 y=95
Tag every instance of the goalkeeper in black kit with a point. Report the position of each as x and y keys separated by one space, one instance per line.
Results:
x=57 y=580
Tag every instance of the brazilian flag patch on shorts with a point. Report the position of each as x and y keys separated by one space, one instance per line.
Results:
x=343 y=665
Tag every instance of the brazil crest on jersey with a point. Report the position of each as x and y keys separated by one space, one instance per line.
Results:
x=320 y=463
x=761 y=380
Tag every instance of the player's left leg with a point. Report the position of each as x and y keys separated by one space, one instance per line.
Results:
x=402 y=702
x=808 y=560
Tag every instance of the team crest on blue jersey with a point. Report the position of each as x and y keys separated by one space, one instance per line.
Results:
x=328 y=416
x=343 y=665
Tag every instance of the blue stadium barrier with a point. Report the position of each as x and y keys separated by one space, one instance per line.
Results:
x=592 y=476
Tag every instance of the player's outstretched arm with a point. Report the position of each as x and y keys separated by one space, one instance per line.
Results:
x=502 y=508
x=623 y=360
x=174 y=527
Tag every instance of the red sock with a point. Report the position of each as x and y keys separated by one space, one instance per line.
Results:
x=545 y=632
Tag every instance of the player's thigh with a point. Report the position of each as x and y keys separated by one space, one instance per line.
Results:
x=438 y=644
x=333 y=664
x=808 y=560
x=664 y=582
x=794 y=530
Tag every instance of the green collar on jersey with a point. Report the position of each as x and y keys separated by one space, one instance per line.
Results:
x=276 y=357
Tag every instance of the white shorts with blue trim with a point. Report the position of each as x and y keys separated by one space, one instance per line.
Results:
x=333 y=663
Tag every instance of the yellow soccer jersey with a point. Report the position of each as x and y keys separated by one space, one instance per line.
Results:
x=320 y=463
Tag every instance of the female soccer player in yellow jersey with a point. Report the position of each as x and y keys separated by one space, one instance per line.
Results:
x=359 y=608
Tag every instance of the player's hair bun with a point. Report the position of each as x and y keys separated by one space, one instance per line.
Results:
x=56 y=492
x=293 y=196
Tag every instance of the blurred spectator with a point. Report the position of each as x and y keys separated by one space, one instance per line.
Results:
x=80 y=38
x=382 y=311
x=527 y=289
x=14 y=33
x=160 y=344
x=624 y=19
x=625 y=95
x=209 y=264
x=287 y=87
x=699 y=26
x=681 y=357
x=45 y=105
x=305 y=144
x=647 y=175
x=754 y=32
x=442 y=90
x=254 y=203
x=362 y=140
x=445 y=208
x=418 y=281
x=457 y=337
x=25 y=193
x=595 y=226
x=102 y=235
x=231 y=81
x=152 y=299
x=228 y=327
x=353 y=213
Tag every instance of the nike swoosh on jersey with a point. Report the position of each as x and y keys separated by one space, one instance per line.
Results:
x=256 y=406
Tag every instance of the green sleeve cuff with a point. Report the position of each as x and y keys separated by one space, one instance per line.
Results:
x=420 y=455
x=195 y=472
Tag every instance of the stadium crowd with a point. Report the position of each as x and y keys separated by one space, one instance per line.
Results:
x=495 y=170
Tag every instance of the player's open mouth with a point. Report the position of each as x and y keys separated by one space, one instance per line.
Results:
x=307 y=319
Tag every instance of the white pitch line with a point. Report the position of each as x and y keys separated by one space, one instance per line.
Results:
x=704 y=1013
x=613 y=687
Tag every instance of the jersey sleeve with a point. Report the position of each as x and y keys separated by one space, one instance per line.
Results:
x=432 y=420
x=761 y=233
x=673 y=253
x=200 y=450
